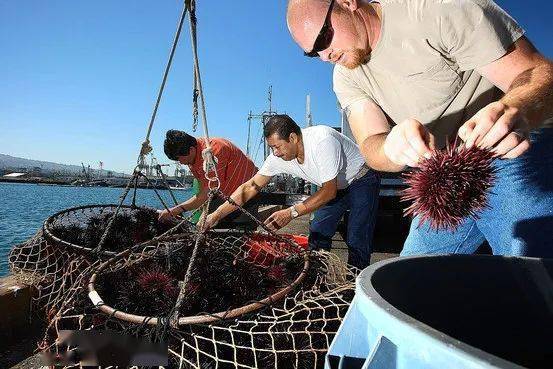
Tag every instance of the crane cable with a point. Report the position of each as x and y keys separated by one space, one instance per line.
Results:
x=146 y=147
x=209 y=160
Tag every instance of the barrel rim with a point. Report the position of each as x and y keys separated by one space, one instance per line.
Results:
x=406 y=321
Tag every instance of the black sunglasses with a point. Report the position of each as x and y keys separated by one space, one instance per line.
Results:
x=324 y=38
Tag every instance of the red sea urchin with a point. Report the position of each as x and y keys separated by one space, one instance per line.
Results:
x=150 y=290
x=450 y=186
x=155 y=280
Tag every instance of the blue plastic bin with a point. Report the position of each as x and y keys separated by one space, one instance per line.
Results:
x=457 y=311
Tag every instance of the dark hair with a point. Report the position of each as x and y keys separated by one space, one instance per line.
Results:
x=178 y=143
x=281 y=124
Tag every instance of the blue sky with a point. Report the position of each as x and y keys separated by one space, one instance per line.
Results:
x=79 y=78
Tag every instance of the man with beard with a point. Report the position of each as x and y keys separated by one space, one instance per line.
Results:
x=411 y=74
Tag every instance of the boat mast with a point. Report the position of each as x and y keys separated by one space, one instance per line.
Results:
x=264 y=118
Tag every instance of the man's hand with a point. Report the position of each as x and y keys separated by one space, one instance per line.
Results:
x=210 y=221
x=498 y=127
x=278 y=219
x=166 y=215
x=408 y=143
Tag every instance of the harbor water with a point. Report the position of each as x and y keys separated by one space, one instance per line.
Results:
x=24 y=207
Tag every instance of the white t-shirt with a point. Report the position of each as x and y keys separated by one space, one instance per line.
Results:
x=328 y=155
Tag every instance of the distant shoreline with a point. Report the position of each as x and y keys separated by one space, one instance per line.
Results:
x=35 y=181
x=52 y=182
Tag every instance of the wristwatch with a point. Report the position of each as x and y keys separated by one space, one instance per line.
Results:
x=293 y=212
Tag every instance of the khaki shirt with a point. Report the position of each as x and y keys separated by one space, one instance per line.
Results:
x=423 y=66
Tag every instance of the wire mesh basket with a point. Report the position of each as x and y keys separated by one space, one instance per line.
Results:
x=234 y=274
x=81 y=228
x=52 y=260
x=292 y=332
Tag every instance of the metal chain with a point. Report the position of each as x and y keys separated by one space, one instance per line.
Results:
x=174 y=314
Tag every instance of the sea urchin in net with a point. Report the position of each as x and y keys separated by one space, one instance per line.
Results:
x=450 y=186
x=148 y=290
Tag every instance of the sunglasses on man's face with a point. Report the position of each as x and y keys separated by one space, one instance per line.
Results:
x=324 y=38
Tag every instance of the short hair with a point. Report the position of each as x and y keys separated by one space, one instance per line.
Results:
x=178 y=143
x=282 y=125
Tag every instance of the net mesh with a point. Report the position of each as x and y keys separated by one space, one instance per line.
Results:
x=50 y=270
x=53 y=259
x=252 y=300
x=294 y=332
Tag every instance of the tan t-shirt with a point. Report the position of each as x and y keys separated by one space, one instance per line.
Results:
x=423 y=66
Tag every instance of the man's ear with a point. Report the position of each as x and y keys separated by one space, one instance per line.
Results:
x=351 y=5
x=293 y=138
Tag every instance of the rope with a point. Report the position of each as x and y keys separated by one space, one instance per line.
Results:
x=155 y=190
x=146 y=148
x=164 y=179
x=208 y=160
x=195 y=103
x=207 y=154
x=135 y=191
x=134 y=179
x=98 y=248
x=257 y=221
x=174 y=314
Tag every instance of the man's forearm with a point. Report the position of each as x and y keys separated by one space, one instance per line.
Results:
x=372 y=149
x=242 y=195
x=315 y=201
x=532 y=93
x=192 y=203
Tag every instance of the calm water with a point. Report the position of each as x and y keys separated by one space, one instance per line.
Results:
x=24 y=207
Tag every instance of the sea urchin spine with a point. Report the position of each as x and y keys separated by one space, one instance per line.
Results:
x=157 y=281
x=450 y=186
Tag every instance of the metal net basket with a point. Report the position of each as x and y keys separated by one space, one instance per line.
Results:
x=82 y=228
x=49 y=270
x=233 y=274
x=222 y=299
x=292 y=332
x=52 y=260
x=295 y=333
